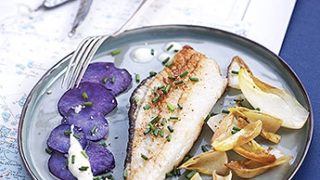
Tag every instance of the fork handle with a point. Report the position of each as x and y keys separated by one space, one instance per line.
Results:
x=142 y=7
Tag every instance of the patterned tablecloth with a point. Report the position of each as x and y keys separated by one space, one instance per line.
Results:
x=32 y=41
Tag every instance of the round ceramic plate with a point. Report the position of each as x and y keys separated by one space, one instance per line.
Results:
x=40 y=114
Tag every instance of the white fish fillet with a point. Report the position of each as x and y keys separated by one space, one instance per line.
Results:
x=196 y=98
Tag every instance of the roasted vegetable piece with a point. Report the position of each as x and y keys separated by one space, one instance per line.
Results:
x=207 y=162
x=272 y=100
x=250 y=169
x=241 y=137
x=224 y=128
x=58 y=166
x=106 y=74
x=255 y=152
x=101 y=159
x=91 y=96
x=94 y=126
x=216 y=176
x=270 y=124
x=59 y=138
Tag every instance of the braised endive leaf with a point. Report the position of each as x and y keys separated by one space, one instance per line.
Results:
x=250 y=169
x=272 y=100
x=207 y=162
x=245 y=135
x=255 y=152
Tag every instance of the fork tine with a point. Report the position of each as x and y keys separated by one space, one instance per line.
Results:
x=88 y=59
x=66 y=77
x=84 y=55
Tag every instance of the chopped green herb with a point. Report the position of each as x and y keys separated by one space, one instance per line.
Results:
x=113 y=79
x=156 y=131
x=236 y=128
x=174 y=118
x=186 y=158
x=163 y=121
x=171 y=46
x=165 y=61
x=166 y=89
x=105 y=80
x=83 y=168
x=258 y=109
x=169 y=64
x=238 y=100
x=178 y=82
x=76 y=136
x=88 y=104
x=155 y=119
x=161 y=133
x=180 y=106
x=235 y=72
x=160 y=87
x=152 y=52
x=137 y=77
x=73 y=159
x=190 y=174
x=146 y=107
x=207 y=117
x=156 y=99
x=194 y=79
x=176 y=171
x=176 y=50
x=103 y=143
x=84 y=154
x=144 y=157
x=171 y=107
x=48 y=150
x=151 y=126
x=168 y=138
x=85 y=96
x=67 y=133
x=225 y=111
x=184 y=74
x=115 y=52
x=172 y=78
x=152 y=73
x=125 y=173
x=205 y=148
x=147 y=131
x=94 y=130
x=169 y=174
x=170 y=128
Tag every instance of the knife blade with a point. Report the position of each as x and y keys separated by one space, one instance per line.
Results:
x=82 y=13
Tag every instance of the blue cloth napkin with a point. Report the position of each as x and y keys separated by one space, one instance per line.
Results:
x=301 y=50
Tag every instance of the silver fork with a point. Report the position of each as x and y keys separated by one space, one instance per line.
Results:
x=87 y=49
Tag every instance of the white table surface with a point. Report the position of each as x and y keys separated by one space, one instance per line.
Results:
x=32 y=41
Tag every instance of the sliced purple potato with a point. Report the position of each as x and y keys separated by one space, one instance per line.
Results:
x=92 y=96
x=113 y=78
x=59 y=138
x=94 y=126
x=101 y=159
x=58 y=166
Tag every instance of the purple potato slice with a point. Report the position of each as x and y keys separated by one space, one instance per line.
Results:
x=113 y=78
x=94 y=125
x=58 y=166
x=92 y=96
x=59 y=138
x=101 y=159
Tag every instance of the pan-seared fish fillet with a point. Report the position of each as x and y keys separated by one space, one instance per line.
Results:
x=180 y=96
